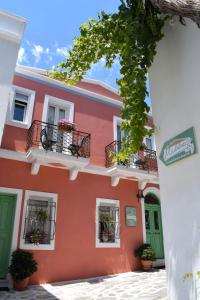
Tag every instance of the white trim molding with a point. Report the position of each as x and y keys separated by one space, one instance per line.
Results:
x=29 y=111
x=18 y=193
x=152 y=190
x=57 y=102
x=40 y=196
x=40 y=75
x=106 y=202
x=116 y=121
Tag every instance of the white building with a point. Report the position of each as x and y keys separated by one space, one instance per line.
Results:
x=11 y=32
x=175 y=92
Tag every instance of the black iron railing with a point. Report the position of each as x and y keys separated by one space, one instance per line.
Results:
x=145 y=159
x=50 y=138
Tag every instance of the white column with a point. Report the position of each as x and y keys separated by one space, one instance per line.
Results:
x=175 y=93
x=11 y=32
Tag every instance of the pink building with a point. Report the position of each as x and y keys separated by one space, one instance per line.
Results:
x=62 y=195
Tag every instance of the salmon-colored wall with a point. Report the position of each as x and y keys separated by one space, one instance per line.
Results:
x=75 y=255
x=98 y=89
x=90 y=116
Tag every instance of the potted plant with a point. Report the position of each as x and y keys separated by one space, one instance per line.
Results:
x=22 y=267
x=106 y=225
x=147 y=255
x=66 y=126
x=35 y=236
x=41 y=215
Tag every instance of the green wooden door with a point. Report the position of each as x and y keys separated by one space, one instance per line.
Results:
x=154 y=233
x=7 y=213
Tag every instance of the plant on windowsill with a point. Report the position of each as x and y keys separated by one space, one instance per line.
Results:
x=36 y=235
x=147 y=255
x=41 y=215
x=66 y=126
x=106 y=222
x=22 y=267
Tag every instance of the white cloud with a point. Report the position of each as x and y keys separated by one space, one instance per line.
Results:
x=22 y=57
x=37 y=51
x=62 y=51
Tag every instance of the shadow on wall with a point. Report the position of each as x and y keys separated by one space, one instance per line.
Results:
x=189 y=272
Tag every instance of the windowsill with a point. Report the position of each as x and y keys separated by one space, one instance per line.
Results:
x=108 y=245
x=17 y=124
x=37 y=247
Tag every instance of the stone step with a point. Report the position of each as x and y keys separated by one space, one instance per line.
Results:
x=4 y=283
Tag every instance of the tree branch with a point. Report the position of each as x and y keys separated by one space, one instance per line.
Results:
x=183 y=8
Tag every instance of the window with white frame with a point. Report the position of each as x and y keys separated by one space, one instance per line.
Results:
x=148 y=142
x=39 y=219
x=20 y=107
x=107 y=223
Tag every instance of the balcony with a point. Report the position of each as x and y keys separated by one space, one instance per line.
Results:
x=141 y=166
x=48 y=145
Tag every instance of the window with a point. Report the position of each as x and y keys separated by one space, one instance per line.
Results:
x=148 y=142
x=107 y=223
x=20 y=107
x=39 y=219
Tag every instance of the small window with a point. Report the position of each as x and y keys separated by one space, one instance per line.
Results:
x=108 y=223
x=149 y=143
x=20 y=107
x=39 y=221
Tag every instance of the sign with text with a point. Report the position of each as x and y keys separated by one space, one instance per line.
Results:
x=131 y=216
x=179 y=147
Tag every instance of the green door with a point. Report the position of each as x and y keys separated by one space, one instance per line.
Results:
x=7 y=213
x=154 y=233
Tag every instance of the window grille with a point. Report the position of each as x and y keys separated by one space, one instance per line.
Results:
x=109 y=226
x=39 y=225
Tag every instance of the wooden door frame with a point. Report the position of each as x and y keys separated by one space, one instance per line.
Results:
x=156 y=192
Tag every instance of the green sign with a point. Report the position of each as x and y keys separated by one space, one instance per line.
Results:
x=131 y=216
x=179 y=147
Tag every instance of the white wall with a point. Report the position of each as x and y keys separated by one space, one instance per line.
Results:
x=11 y=31
x=175 y=93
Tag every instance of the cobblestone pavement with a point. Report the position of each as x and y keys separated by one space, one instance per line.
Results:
x=126 y=286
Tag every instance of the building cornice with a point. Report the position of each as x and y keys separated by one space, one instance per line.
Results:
x=36 y=76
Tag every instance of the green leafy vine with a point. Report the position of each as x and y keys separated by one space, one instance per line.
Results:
x=131 y=36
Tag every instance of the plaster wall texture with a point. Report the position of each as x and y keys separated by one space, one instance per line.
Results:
x=175 y=83
x=75 y=255
x=11 y=31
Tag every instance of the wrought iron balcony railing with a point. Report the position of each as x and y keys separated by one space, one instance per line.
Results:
x=50 y=138
x=145 y=159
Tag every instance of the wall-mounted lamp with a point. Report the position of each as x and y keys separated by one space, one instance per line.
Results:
x=140 y=195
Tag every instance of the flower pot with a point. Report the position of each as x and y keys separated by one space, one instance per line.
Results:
x=146 y=264
x=105 y=237
x=66 y=127
x=21 y=285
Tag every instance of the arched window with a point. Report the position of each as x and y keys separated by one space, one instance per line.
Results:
x=151 y=198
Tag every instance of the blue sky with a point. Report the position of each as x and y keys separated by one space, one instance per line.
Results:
x=51 y=28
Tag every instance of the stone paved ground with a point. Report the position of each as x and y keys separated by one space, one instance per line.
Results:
x=126 y=286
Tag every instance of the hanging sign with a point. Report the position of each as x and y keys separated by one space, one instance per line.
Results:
x=131 y=216
x=181 y=146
